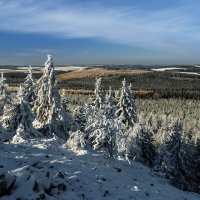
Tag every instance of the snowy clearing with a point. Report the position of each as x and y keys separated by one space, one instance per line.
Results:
x=166 y=69
x=87 y=174
x=192 y=73
x=40 y=69
x=71 y=68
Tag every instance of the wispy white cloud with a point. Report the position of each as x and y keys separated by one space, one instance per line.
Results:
x=45 y=50
x=170 y=29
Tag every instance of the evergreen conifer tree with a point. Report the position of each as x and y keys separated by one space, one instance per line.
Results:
x=163 y=168
x=80 y=118
x=6 y=117
x=51 y=117
x=110 y=105
x=29 y=87
x=99 y=99
x=177 y=155
x=64 y=101
x=148 y=149
x=5 y=96
x=126 y=107
x=197 y=165
x=22 y=115
x=135 y=150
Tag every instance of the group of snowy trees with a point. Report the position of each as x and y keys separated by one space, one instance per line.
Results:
x=36 y=109
x=106 y=122
x=110 y=123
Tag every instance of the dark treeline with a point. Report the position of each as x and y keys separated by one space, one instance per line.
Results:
x=152 y=81
x=163 y=85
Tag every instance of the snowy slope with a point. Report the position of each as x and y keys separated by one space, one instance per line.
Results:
x=87 y=174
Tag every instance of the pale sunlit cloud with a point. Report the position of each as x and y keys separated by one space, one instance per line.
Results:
x=170 y=29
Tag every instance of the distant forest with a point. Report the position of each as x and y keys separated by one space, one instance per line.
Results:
x=162 y=84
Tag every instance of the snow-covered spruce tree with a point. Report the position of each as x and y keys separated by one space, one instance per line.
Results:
x=110 y=105
x=190 y=161
x=177 y=154
x=92 y=112
x=98 y=99
x=142 y=148
x=126 y=107
x=135 y=149
x=23 y=115
x=5 y=96
x=64 y=101
x=163 y=167
x=7 y=116
x=29 y=87
x=80 y=118
x=148 y=149
x=196 y=165
x=51 y=117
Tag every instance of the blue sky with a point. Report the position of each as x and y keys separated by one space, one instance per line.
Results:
x=100 y=32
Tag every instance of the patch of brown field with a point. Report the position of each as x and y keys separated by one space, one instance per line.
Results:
x=141 y=92
x=89 y=92
x=98 y=73
x=83 y=92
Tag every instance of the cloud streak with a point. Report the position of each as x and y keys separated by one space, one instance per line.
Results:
x=170 y=29
x=45 y=51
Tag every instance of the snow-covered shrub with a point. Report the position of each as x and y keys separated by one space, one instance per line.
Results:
x=20 y=135
x=76 y=140
x=3 y=134
x=105 y=132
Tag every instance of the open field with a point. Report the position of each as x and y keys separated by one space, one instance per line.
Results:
x=97 y=72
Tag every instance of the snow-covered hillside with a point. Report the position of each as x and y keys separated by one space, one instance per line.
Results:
x=46 y=169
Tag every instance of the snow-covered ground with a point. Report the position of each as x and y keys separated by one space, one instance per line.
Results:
x=87 y=174
x=166 y=69
x=192 y=73
x=40 y=69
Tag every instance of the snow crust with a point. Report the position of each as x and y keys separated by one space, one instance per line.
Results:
x=88 y=174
